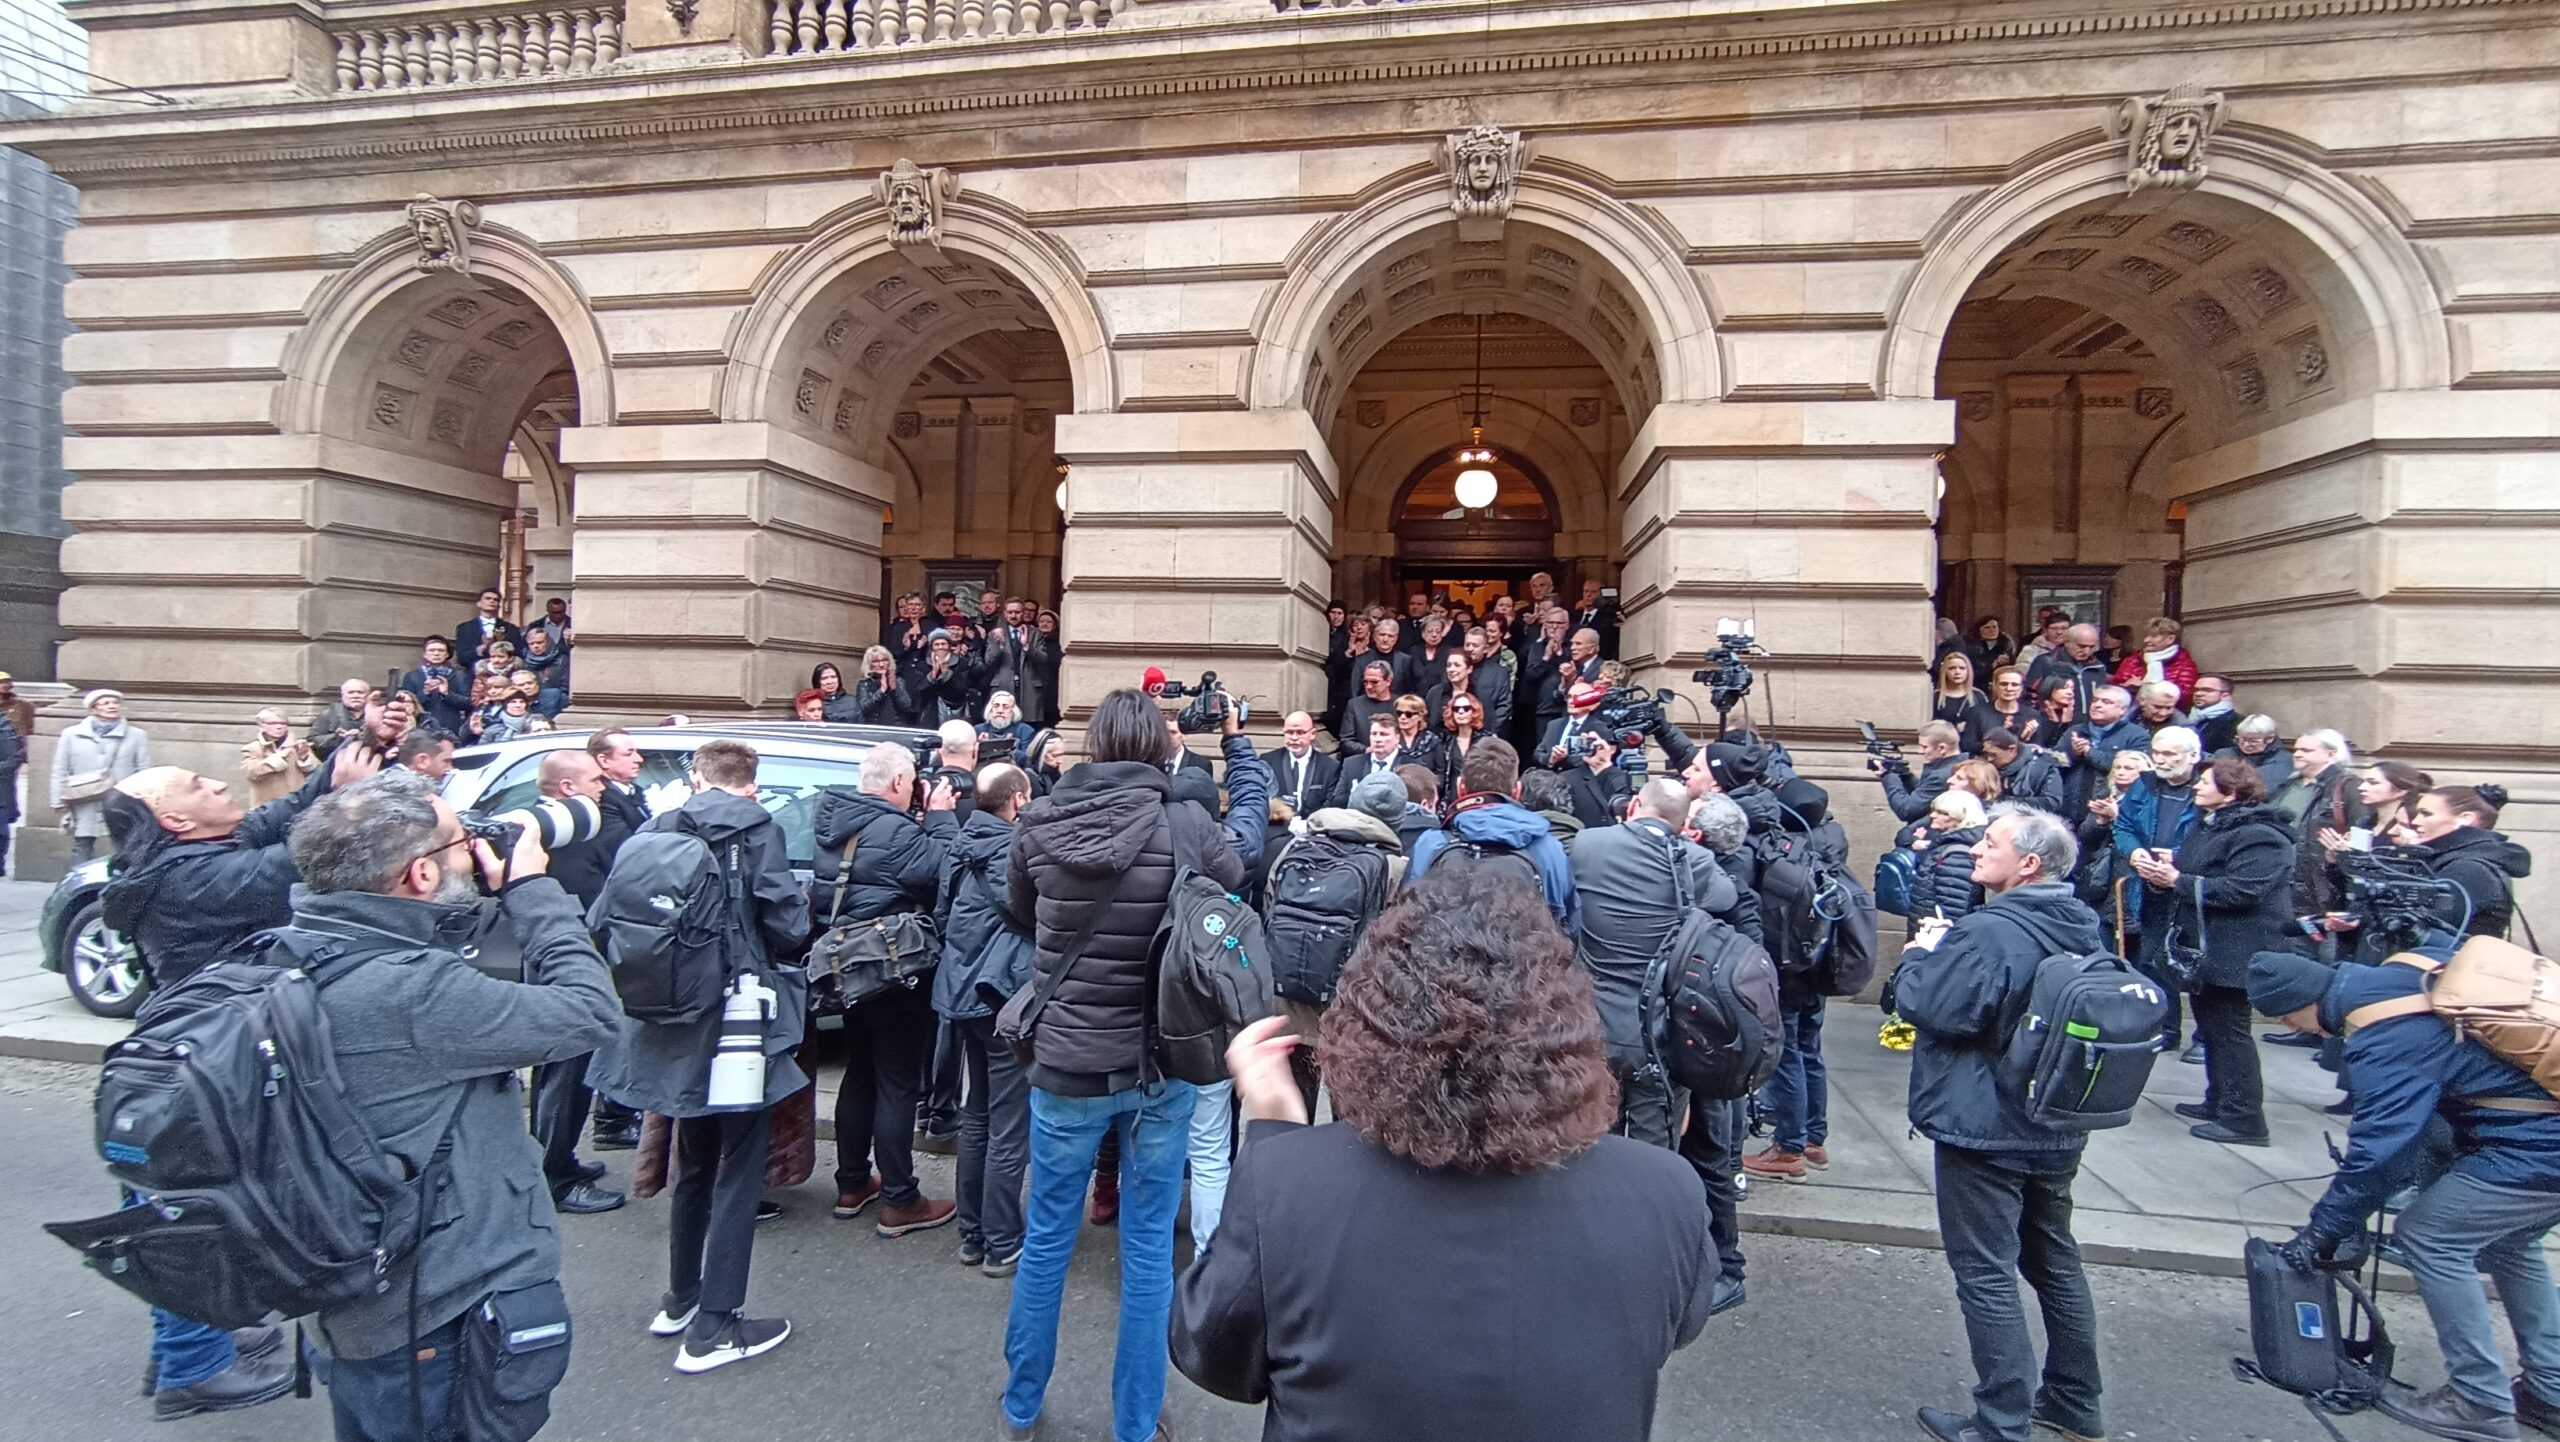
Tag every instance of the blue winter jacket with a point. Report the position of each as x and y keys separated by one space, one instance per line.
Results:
x=2410 y=1068
x=1966 y=997
x=1508 y=823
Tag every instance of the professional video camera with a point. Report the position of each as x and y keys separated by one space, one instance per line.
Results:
x=554 y=823
x=1726 y=675
x=1887 y=753
x=1209 y=703
x=2397 y=894
x=1629 y=716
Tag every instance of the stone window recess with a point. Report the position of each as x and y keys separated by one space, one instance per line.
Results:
x=423 y=52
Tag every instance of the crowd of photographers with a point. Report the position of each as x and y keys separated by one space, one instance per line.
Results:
x=1488 y=841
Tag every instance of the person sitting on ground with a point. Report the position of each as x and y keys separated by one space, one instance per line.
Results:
x=1471 y=1082
x=2490 y=1213
x=1489 y=828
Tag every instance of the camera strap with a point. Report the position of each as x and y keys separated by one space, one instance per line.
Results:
x=844 y=878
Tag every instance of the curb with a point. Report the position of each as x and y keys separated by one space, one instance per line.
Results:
x=36 y=1048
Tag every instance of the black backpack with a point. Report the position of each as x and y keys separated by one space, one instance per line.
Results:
x=1711 y=1002
x=664 y=921
x=262 y=1191
x=1490 y=860
x=1323 y=893
x=1210 y=965
x=2081 y=1053
x=2336 y=1358
x=1819 y=922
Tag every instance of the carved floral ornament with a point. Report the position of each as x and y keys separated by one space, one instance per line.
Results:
x=913 y=196
x=2166 y=135
x=443 y=229
x=1483 y=166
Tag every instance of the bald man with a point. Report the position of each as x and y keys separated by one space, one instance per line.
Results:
x=1300 y=774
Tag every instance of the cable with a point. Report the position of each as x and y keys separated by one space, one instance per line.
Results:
x=84 y=74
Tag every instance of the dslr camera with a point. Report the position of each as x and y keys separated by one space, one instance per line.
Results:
x=1208 y=708
x=554 y=823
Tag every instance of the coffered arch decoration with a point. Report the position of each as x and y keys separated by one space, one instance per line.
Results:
x=1569 y=255
x=442 y=364
x=2274 y=283
x=844 y=325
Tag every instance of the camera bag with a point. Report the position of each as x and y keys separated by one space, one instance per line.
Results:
x=862 y=959
x=1324 y=891
x=664 y=920
x=2498 y=992
x=2301 y=1340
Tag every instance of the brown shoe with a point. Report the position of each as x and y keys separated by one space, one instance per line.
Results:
x=1773 y=1162
x=1818 y=1158
x=1106 y=1200
x=849 y=1205
x=923 y=1214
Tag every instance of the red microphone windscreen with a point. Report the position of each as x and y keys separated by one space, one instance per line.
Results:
x=1152 y=681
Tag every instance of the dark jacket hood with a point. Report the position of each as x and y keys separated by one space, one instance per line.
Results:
x=2056 y=915
x=1507 y=822
x=983 y=839
x=2242 y=815
x=2490 y=848
x=1098 y=817
x=135 y=874
x=717 y=815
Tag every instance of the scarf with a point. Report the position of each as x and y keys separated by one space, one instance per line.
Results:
x=2155 y=664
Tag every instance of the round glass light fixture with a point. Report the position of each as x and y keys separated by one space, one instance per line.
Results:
x=1062 y=495
x=1477 y=487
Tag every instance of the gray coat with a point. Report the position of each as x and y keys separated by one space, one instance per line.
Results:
x=84 y=746
x=417 y=1033
x=663 y=1068
x=1624 y=876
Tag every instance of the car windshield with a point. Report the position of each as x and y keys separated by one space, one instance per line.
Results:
x=788 y=787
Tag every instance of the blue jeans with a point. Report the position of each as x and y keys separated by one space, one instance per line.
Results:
x=1798 y=1095
x=1213 y=1145
x=185 y=1353
x=1154 y=1125
x=369 y=1398
x=2458 y=1228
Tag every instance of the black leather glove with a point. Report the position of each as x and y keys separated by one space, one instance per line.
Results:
x=2302 y=1253
x=2349 y=1252
x=2310 y=1251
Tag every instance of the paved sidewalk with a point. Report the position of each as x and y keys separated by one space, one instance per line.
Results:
x=2149 y=1195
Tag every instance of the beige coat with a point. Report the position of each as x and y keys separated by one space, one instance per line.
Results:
x=274 y=771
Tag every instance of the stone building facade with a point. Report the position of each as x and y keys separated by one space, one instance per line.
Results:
x=1821 y=313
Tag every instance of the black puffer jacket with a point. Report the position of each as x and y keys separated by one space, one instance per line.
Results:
x=897 y=863
x=2486 y=865
x=1966 y=997
x=2235 y=888
x=971 y=913
x=1944 y=883
x=187 y=904
x=1071 y=849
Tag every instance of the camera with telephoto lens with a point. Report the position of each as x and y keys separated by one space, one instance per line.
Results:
x=1726 y=675
x=554 y=823
x=1208 y=708
x=1629 y=716
x=2396 y=894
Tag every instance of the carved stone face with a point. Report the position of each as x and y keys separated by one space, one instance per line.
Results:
x=907 y=208
x=1482 y=167
x=2181 y=136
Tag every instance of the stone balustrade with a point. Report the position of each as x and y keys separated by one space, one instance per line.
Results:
x=840 y=27
x=430 y=50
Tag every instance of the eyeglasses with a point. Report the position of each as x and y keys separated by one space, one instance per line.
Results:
x=1408 y=710
x=442 y=847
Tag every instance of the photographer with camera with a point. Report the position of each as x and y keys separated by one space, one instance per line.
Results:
x=1598 y=788
x=427 y=1051
x=875 y=861
x=1909 y=797
x=561 y=1097
x=2491 y=1213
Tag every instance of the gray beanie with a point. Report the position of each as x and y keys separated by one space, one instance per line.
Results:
x=1381 y=795
x=2281 y=982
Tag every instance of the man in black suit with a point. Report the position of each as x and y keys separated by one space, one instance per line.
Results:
x=471 y=639
x=1178 y=754
x=1388 y=642
x=1008 y=650
x=1384 y=754
x=560 y=1093
x=1300 y=774
x=618 y=760
x=1560 y=747
x=1598 y=788
x=1598 y=614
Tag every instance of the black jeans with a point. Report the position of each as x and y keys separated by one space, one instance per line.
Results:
x=1713 y=1148
x=2233 y=1091
x=889 y=1044
x=995 y=1139
x=2003 y=1215
x=1647 y=1103
x=560 y=1102
x=941 y=1111
x=711 y=1233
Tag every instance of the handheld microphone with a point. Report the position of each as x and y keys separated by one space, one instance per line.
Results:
x=1152 y=681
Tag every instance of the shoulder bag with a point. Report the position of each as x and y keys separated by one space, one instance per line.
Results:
x=1019 y=1023
x=862 y=959
x=90 y=785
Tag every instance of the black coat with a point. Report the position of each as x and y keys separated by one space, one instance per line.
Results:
x=1363 y=1296
x=2033 y=780
x=897 y=861
x=970 y=913
x=580 y=867
x=1909 y=797
x=467 y=640
x=1966 y=997
x=1944 y=882
x=187 y=904
x=2235 y=890
x=630 y=806
x=1355 y=769
x=1109 y=834
x=13 y=754
x=1353 y=731
x=1597 y=794
x=2318 y=885
x=2486 y=865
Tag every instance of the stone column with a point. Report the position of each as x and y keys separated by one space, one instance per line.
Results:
x=2037 y=465
x=2385 y=568
x=985 y=493
x=1813 y=518
x=716 y=565
x=1197 y=541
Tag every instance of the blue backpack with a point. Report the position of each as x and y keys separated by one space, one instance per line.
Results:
x=1896 y=871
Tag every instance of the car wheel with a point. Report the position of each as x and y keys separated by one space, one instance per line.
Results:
x=104 y=970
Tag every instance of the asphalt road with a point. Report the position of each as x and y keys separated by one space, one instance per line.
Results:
x=894 y=1342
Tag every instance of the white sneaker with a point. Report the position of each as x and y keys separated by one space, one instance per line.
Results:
x=737 y=1340
x=669 y=1322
